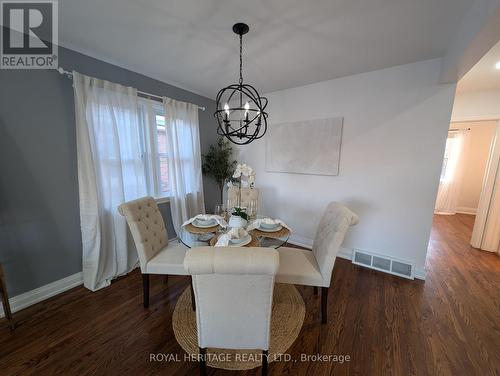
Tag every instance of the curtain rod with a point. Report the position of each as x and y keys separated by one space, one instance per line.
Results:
x=142 y=94
x=458 y=129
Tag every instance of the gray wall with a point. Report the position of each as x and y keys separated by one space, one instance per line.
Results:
x=40 y=240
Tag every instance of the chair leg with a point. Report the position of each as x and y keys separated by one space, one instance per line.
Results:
x=145 y=289
x=203 y=363
x=5 y=300
x=265 y=353
x=165 y=279
x=193 y=302
x=324 y=304
x=315 y=290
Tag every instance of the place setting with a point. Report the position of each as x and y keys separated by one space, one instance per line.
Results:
x=269 y=227
x=205 y=224
x=235 y=237
x=215 y=231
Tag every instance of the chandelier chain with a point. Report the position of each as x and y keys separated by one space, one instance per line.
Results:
x=241 y=59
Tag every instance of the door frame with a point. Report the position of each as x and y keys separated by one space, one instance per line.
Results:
x=491 y=183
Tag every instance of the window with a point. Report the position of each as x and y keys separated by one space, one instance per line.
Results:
x=154 y=147
x=445 y=160
x=452 y=152
x=161 y=135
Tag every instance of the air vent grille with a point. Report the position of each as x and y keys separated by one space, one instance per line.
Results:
x=384 y=264
x=381 y=263
x=401 y=268
x=363 y=259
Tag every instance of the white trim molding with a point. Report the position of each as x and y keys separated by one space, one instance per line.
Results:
x=44 y=292
x=345 y=253
x=420 y=273
x=301 y=241
x=474 y=118
x=466 y=210
x=162 y=200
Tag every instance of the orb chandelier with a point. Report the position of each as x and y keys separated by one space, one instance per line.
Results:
x=240 y=110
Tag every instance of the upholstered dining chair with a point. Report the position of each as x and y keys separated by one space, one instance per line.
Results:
x=156 y=255
x=303 y=267
x=247 y=195
x=233 y=289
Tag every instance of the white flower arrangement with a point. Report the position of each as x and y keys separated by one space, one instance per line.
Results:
x=243 y=170
x=246 y=171
x=251 y=179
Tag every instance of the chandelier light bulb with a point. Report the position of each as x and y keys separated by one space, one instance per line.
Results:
x=247 y=107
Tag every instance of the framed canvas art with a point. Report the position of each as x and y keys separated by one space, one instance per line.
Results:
x=305 y=147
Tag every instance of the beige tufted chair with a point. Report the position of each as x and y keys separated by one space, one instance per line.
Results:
x=234 y=294
x=247 y=195
x=156 y=255
x=303 y=267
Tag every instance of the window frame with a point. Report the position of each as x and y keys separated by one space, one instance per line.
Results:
x=153 y=173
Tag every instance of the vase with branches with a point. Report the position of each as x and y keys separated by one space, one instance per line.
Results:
x=219 y=164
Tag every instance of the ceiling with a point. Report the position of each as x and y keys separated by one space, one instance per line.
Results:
x=484 y=75
x=190 y=44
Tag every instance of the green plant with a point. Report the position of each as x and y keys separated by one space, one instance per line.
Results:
x=218 y=163
x=240 y=212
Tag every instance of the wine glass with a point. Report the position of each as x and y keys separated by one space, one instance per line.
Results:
x=231 y=204
x=252 y=208
x=219 y=209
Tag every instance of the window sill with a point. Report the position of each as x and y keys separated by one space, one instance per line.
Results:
x=162 y=200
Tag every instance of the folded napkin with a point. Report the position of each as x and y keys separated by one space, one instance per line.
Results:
x=234 y=233
x=270 y=221
x=207 y=217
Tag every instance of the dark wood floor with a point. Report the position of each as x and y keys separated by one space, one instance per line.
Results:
x=449 y=325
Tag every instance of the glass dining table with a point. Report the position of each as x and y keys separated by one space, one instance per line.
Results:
x=192 y=236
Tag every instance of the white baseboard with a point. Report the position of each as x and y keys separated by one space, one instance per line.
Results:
x=420 y=273
x=466 y=210
x=301 y=241
x=44 y=292
x=345 y=253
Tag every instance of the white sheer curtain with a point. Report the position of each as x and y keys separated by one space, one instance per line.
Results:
x=110 y=172
x=449 y=185
x=147 y=118
x=184 y=169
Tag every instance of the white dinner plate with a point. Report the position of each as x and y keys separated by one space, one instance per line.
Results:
x=195 y=223
x=270 y=229
x=205 y=237
x=246 y=240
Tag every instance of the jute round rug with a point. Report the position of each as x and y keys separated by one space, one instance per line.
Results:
x=286 y=321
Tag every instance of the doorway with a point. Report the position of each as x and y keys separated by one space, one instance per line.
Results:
x=469 y=149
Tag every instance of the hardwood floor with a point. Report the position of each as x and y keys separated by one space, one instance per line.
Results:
x=449 y=325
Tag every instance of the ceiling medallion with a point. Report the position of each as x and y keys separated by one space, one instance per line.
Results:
x=240 y=110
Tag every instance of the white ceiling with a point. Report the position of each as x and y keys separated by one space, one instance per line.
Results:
x=484 y=75
x=190 y=44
